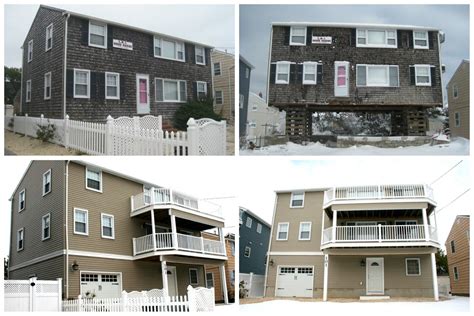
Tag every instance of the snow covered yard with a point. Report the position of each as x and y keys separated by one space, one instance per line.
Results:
x=459 y=146
x=455 y=304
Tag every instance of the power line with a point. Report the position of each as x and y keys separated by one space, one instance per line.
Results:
x=438 y=211
x=446 y=172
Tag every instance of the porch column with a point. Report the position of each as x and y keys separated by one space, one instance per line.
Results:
x=334 y=224
x=221 y=239
x=322 y=227
x=224 y=283
x=425 y=224
x=174 y=237
x=435 y=277
x=153 y=231
x=325 y=284
x=164 y=277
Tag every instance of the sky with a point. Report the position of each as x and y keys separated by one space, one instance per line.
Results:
x=190 y=22
x=255 y=28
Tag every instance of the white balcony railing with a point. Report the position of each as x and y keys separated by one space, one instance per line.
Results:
x=164 y=241
x=378 y=234
x=374 y=192
x=162 y=196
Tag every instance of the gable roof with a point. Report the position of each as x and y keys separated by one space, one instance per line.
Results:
x=245 y=61
x=464 y=61
x=455 y=225
x=249 y=212
x=356 y=25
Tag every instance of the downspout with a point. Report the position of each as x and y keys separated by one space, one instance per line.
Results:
x=269 y=62
x=440 y=70
x=269 y=247
x=21 y=82
x=66 y=206
x=65 y=65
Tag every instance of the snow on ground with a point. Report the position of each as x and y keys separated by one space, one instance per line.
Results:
x=459 y=146
x=289 y=307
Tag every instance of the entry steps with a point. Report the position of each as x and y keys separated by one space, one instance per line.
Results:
x=374 y=297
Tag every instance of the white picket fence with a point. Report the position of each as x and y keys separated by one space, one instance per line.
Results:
x=32 y=295
x=254 y=283
x=198 y=300
x=129 y=136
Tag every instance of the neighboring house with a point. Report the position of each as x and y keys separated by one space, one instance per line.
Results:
x=223 y=81
x=458 y=100
x=354 y=241
x=103 y=232
x=254 y=236
x=342 y=67
x=458 y=248
x=263 y=120
x=88 y=68
x=213 y=276
x=245 y=69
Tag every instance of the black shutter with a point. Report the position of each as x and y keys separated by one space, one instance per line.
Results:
x=85 y=32
x=412 y=76
x=272 y=72
x=299 y=73
x=101 y=85
x=410 y=39
x=209 y=91
x=190 y=53
x=110 y=36
x=122 y=87
x=320 y=74
x=195 y=89
x=207 y=52
x=70 y=83
x=431 y=39
x=433 y=76
x=287 y=35
x=292 y=73
x=151 y=51
x=399 y=39
x=309 y=35
x=353 y=40
x=93 y=95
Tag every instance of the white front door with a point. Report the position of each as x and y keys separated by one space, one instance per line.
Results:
x=295 y=281
x=341 y=79
x=100 y=285
x=375 y=276
x=143 y=94
x=172 y=281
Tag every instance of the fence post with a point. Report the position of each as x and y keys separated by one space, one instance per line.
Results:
x=14 y=119
x=26 y=123
x=32 y=293
x=191 y=299
x=66 y=132
x=224 y=135
x=60 y=294
x=193 y=137
x=124 y=301
x=79 y=303
x=136 y=135
x=250 y=284
x=41 y=119
x=108 y=136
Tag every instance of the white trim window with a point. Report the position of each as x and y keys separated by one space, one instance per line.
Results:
x=21 y=200
x=94 y=180
x=249 y=222
x=217 y=69
x=297 y=199
x=252 y=124
x=376 y=38
x=47 y=182
x=200 y=55
x=81 y=221
x=422 y=75
x=282 y=231
x=377 y=76
x=201 y=87
x=282 y=73
x=28 y=90
x=453 y=246
x=209 y=280
x=219 y=96
x=97 y=34
x=112 y=85
x=455 y=91
x=310 y=73
x=305 y=231
x=420 y=40
x=170 y=90
x=298 y=35
x=457 y=119
x=168 y=49
x=413 y=267
x=193 y=276
x=455 y=273
x=20 y=239
x=47 y=86
x=82 y=83
x=46 y=227
x=259 y=228
x=241 y=100
x=107 y=224
x=30 y=51
x=49 y=37
x=247 y=251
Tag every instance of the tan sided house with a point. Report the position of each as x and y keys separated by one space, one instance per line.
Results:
x=223 y=70
x=375 y=241
x=457 y=250
x=458 y=101
x=103 y=232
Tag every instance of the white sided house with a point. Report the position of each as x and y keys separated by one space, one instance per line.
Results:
x=263 y=120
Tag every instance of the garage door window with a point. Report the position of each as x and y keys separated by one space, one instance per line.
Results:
x=89 y=277
x=305 y=270
x=109 y=278
x=287 y=270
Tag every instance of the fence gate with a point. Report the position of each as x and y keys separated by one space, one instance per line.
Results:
x=32 y=295
x=210 y=136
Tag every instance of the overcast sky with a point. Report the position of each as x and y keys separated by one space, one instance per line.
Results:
x=255 y=28
x=208 y=24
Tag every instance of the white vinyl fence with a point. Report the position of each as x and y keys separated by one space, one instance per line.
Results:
x=129 y=136
x=198 y=300
x=254 y=283
x=32 y=295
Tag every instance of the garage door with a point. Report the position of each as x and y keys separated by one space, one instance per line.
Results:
x=295 y=281
x=100 y=285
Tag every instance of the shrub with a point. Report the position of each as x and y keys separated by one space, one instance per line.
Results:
x=243 y=291
x=196 y=110
x=46 y=133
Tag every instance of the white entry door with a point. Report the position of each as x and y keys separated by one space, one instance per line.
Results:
x=100 y=285
x=341 y=79
x=172 y=281
x=143 y=94
x=295 y=281
x=375 y=276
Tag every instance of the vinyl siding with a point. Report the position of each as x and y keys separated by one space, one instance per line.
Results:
x=460 y=258
x=46 y=270
x=224 y=82
x=461 y=103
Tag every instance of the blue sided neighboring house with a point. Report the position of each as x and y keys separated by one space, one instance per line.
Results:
x=254 y=237
x=244 y=88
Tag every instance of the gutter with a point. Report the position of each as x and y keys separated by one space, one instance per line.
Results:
x=269 y=247
x=65 y=64
x=440 y=71
x=269 y=63
x=66 y=207
x=21 y=79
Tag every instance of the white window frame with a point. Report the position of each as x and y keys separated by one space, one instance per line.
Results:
x=419 y=38
x=102 y=215
x=43 y=226
x=46 y=75
x=259 y=228
x=301 y=226
x=50 y=181
x=455 y=273
x=423 y=84
x=406 y=267
x=291 y=35
x=29 y=55
x=204 y=83
x=197 y=276
x=387 y=85
x=457 y=119
x=241 y=100
x=247 y=251
x=310 y=82
x=287 y=81
x=452 y=245
x=118 y=86
x=160 y=44
x=22 y=230
x=222 y=97
x=209 y=279
x=366 y=36
x=49 y=35
x=291 y=199
x=214 y=68
x=287 y=224
x=196 y=48
x=19 y=200
x=178 y=82
x=249 y=222
x=105 y=34
x=252 y=124
x=28 y=91
x=86 y=233
x=100 y=176
x=455 y=91
x=76 y=96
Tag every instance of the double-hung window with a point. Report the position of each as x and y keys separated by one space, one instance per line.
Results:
x=453 y=248
x=420 y=40
x=47 y=86
x=248 y=223
x=49 y=37
x=82 y=84
x=94 y=180
x=457 y=119
x=30 y=51
x=97 y=34
x=422 y=75
x=168 y=48
x=376 y=38
x=259 y=228
x=298 y=35
x=297 y=199
x=200 y=54
x=377 y=76
x=46 y=227
x=201 y=87
x=193 y=276
x=413 y=266
x=20 y=239
x=455 y=91
x=305 y=231
x=21 y=200
x=112 y=85
x=282 y=232
x=455 y=273
x=209 y=280
x=217 y=69
x=309 y=72
x=47 y=182
x=219 y=97
x=170 y=90
x=282 y=72
x=108 y=226
x=81 y=222
x=28 y=91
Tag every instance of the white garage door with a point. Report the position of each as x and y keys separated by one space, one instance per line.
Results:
x=295 y=281
x=100 y=285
